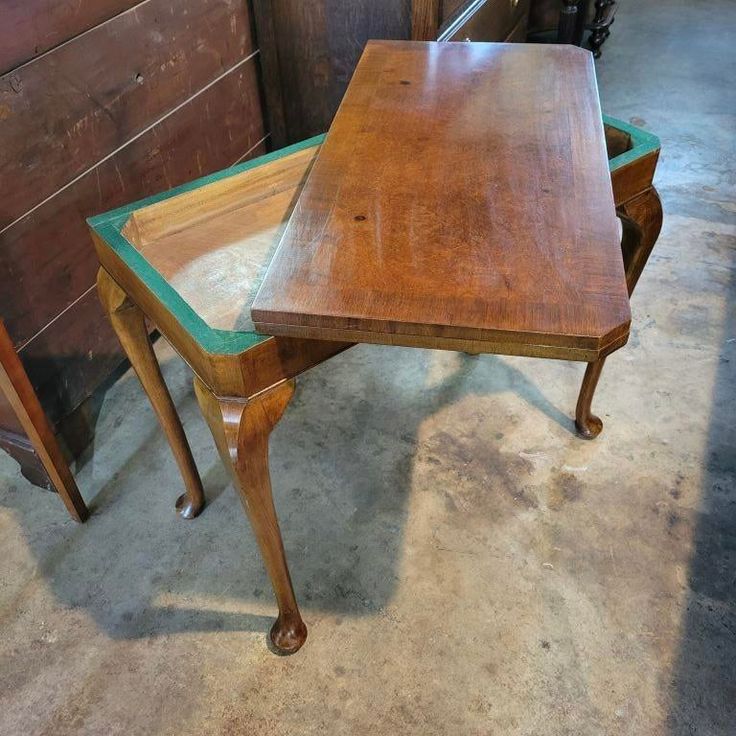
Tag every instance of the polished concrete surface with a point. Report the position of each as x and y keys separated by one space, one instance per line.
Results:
x=465 y=564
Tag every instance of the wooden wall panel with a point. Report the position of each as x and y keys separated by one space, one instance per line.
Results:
x=318 y=45
x=79 y=349
x=162 y=93
x=34 y=26
x=67 y=110
x=425 y=19
x=48 y=257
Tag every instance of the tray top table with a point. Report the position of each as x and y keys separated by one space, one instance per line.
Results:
x=462 y=199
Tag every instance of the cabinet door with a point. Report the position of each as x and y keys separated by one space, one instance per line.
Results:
x=484 y=20
x=317 y=46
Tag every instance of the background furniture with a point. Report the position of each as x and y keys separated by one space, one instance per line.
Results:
x=309 y=50
x=566 y=21
x=101 y=103
x=19 y=393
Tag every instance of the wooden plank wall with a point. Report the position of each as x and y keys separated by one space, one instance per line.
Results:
x=103 y=102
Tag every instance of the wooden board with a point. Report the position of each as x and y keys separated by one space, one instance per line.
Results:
x=31 y=27
x=47 y=260
x=78 y=350
x=318 y=45
x=59 y=361
x=462 y=193
x=17 y=390
x=64 y=112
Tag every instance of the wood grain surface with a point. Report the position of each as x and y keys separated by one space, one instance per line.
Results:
x=213 y=245
x=462 y=194
x=17 y=390
x=47 y=260
x=32 y=27
x=78 y=349
x=317 y=45
x=64 y=112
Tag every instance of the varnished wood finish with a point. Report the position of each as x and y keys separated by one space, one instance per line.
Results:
x=425 y=19
x=223 y=229
x=244 y=374
x=241 y=429
x=485 y=20
x=17 y=389
x=130 y=326
x=444 y=207
x=588 y=425
x=645 y=213
x=235 y=221
x=641 y=221
x=162 y=252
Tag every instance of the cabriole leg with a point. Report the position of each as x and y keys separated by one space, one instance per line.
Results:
x=241 y=429
x=641 y=220
x=588 y=425
x=130 y=326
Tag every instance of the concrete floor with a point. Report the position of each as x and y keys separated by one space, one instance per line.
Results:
x=466 y=565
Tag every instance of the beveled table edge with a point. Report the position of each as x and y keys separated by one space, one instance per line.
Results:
x=500 y=343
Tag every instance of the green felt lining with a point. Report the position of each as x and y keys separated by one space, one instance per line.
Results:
x=224 y=342
x=642 y=142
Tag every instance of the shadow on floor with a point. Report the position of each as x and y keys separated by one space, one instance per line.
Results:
x=704 y=677
x=342 y=473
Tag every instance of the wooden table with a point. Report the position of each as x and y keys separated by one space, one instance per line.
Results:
x=462 y=200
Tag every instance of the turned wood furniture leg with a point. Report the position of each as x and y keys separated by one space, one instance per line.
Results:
x=241 y=428
x=599 y=34
x=129 y=324
x=17 y=388
x=641 y=220
x=568 y=21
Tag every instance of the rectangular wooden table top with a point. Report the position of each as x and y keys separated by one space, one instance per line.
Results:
x=461 y=200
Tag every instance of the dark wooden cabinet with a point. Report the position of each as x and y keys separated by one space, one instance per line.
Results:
x=309 y=50
x=486 y=20
x=566 y=21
